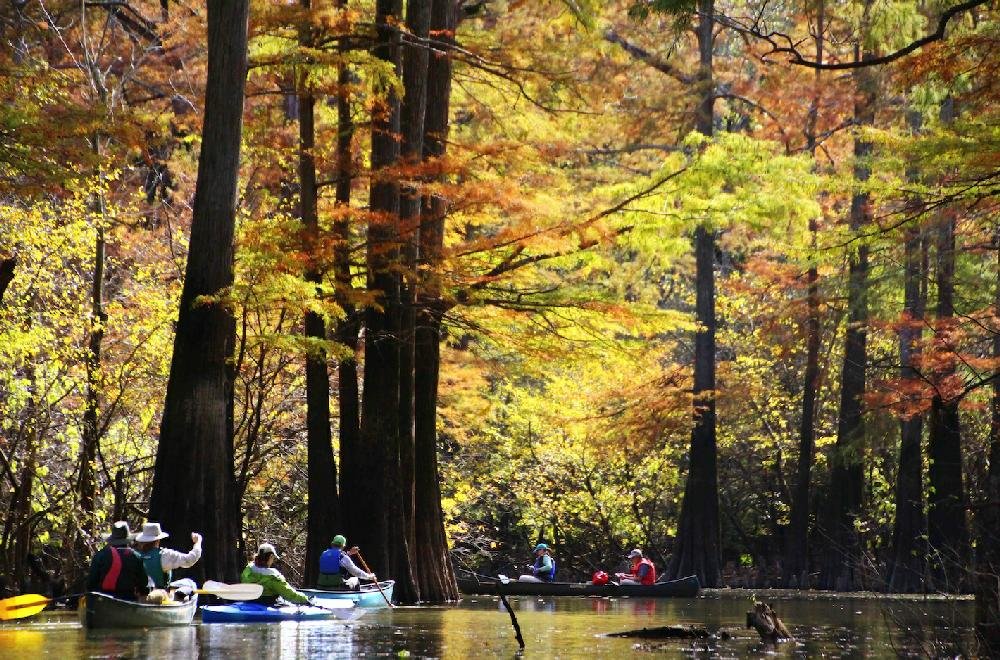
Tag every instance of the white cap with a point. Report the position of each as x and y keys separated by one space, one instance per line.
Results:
x=267 y=549
x=635 y=553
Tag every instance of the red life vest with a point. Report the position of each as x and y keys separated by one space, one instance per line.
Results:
x=110 y=582
x=650 y=577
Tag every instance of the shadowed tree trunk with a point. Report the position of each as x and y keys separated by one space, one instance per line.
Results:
x=988 y=547
x=841 y=568
x=194 y=488
x=907 y=563
x=797 y=546
x=435 y=573
x=947 y=530
x=412 y=113
x=697 y=549
x=323 y=512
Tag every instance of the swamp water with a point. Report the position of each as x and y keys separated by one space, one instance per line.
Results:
x=565 y=627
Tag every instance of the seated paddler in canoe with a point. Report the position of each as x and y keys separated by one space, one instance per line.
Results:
x=642 y=570
x=544 y=568
x=117 y=569
x=336 y=568
x=160 y=563
x=262 y=571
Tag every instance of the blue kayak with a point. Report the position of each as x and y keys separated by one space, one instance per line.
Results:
x=258 y=613
x=367 y=596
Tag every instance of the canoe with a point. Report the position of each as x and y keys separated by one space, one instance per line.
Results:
x=367 y=596
x=97 y=610
x=247 y=612
x=687 y=587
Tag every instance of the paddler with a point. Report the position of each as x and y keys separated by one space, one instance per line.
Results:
x=643 y=570
x=261 y=571
x=161 y=562
x=116 y=569
x=335 y=565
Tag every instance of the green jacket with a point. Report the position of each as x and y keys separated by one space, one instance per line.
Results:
x=274 y=584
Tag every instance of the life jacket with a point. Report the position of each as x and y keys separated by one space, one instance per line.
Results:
x=650 y=577
x=329 y=562
x=113 y=582
x=548 y=577
x=154 y=568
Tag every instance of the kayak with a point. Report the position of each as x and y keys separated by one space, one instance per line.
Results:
x=97 y=610
x=367 y=596
x=247 y=612
x=687 y=587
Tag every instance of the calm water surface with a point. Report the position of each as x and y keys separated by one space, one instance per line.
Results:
x=552 y=628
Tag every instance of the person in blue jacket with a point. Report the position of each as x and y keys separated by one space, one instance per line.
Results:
x=336 y=566
x=544 y=568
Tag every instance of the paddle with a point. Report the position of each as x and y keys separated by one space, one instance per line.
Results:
x=364 y=565
x=25 y=605
x=241 y=591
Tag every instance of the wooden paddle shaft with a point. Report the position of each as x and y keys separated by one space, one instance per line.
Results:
x=364 y=565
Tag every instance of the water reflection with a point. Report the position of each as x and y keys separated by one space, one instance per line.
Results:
x=563 y=627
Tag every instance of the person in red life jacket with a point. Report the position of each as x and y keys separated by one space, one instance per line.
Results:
x=116 y=569
x=160 y=562
x=643 y=571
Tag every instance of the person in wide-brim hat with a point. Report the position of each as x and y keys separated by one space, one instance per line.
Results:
x=128 y=581
x=160 y=562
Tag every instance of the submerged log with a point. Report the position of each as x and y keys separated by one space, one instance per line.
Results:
x=767 y=624
x=671 y=632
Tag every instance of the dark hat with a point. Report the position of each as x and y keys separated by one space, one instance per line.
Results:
x=120 y=534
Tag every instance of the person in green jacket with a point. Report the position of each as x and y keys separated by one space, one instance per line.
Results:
x=261 y=571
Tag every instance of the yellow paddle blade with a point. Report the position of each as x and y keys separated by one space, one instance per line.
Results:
x=22 y=606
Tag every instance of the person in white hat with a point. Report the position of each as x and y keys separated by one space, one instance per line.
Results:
x=643 y=570
x=262 y=571
x=116 y=569
x=161 y=562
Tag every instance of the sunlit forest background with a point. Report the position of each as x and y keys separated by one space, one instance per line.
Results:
x=850 y=216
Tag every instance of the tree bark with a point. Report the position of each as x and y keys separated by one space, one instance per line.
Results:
x=194 y=486
x=947 y=529
x=412 y=113
x=696 y=551
x=435 y=573
x=988 y=546
x=908 y=561
x=842 y=561
x=323 y=512
x=797 y=547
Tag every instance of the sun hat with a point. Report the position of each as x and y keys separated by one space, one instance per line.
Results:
x=541 y=546
x=120 y=534
x=151 y=532
x=267 y=549
x=635 y=553
x=339 y=540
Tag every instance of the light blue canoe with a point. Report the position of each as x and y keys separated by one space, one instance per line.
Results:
x=257 y=613
x=367 y=596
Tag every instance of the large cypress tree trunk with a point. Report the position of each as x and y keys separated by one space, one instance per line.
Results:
x=842 y=561
x=435 y=573
x=697 y=549
x=323 y=513
x=349 y=427
x=947 y=529
x=194 y=486
x=797 y=544
x=418 y=19
x=907 y=563
x=988 y=546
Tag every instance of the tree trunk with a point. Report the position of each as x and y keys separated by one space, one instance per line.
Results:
x=696 y=551
x=412 y=113
x=842 y=561
x=89 y=439
x=194 y=488
x=988 y=546
x=435 y=573
x=907 y=564
x=323 y=513
x=947 y=530
x=797 y=547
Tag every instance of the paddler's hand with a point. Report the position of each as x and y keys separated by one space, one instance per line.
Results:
x=196 y=538
x=354 y=551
